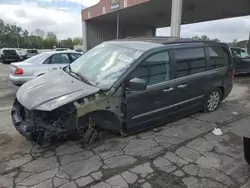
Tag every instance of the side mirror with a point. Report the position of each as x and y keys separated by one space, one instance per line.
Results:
x=137 y=84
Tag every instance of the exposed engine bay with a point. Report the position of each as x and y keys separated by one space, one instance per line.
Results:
x=38 y=125
x=67 y=122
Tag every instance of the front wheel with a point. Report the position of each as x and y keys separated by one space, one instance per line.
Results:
x=212 y=100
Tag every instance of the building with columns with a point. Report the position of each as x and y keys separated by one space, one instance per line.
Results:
x=113 y=19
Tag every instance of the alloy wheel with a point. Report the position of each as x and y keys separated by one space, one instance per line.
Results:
x=213 y=101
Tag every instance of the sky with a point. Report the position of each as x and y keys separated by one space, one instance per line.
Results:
x=63 y=18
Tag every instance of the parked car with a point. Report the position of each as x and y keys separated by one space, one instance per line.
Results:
x=125 y=86
x=241 y=60
x=21 y=53
x=30 y=53
x=62 y=49
x=9 y=55
x=40 y=64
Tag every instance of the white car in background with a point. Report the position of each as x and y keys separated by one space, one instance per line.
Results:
x=40 y=64
x=30 y=53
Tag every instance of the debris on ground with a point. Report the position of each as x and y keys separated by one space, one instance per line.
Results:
x=158 y=129
x=217 y=132
x=235 y=113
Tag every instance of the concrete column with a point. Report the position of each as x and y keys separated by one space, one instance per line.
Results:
x=117 y=25
x=176 y=18
x=248 y=45
x=84 y=36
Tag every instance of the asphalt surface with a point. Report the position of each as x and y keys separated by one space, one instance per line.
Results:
x=185 y=153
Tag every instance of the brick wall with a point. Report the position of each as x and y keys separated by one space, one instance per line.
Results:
x=106 y=6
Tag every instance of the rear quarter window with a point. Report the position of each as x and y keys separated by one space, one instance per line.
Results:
x=190 y=61
x=219 y=56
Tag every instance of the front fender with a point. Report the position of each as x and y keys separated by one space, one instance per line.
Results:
x=104 y=119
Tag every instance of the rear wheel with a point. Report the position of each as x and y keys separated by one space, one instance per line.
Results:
x=212 y=100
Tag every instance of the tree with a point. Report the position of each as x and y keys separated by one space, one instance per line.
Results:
x=50 y=41
x=38 y=32
x=204 y=37
x=68 y=43
x=77 y=41
x=51 y=36
x=12 y=36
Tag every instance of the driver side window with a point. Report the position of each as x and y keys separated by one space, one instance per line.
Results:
x=154 y=69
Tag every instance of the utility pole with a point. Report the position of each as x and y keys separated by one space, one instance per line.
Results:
x=17 y=40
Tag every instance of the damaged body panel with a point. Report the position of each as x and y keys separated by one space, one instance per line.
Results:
x=53 y=90
x=60 y=108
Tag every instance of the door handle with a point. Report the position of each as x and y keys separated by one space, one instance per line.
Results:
x=54 y=68
x=182 y=86
x=168 y=90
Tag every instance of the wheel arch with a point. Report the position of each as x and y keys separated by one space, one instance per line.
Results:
x=103 y=118
x=222 y=89
x=40 y=74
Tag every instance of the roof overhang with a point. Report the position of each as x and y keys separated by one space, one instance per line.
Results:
x=157 y=13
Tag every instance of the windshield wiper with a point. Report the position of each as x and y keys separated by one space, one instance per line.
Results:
x=80 y=76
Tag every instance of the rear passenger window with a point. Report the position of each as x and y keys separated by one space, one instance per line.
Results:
x=218 y=57
x=190 y=61
x=154 y=70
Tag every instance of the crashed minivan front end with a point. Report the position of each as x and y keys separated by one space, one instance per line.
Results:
x=37 y=125
x=63 y=123
x=40 y=113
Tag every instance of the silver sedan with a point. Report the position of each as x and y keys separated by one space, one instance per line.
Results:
x=40 y=64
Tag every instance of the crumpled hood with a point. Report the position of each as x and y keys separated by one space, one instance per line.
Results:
x=52 y=90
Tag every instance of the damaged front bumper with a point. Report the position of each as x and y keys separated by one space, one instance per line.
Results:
x=22 y=127
x=40 y=125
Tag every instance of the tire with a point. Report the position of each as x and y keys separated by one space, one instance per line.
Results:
x=246 y=146
x=212 y=100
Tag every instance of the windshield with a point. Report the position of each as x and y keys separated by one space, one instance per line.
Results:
x=240 y=53
x=104 y=64
x=244 y=55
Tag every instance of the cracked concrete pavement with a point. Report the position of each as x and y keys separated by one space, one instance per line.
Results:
x=185 y=153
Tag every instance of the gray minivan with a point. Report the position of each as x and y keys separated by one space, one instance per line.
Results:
x=125 y=86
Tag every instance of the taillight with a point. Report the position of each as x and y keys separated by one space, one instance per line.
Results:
x=18 y=71
x=233 y=72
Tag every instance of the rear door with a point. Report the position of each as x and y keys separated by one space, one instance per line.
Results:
x=190 y=77
x=157 y=101
x=65 y=59
x=58 y=61
x=55 y=61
